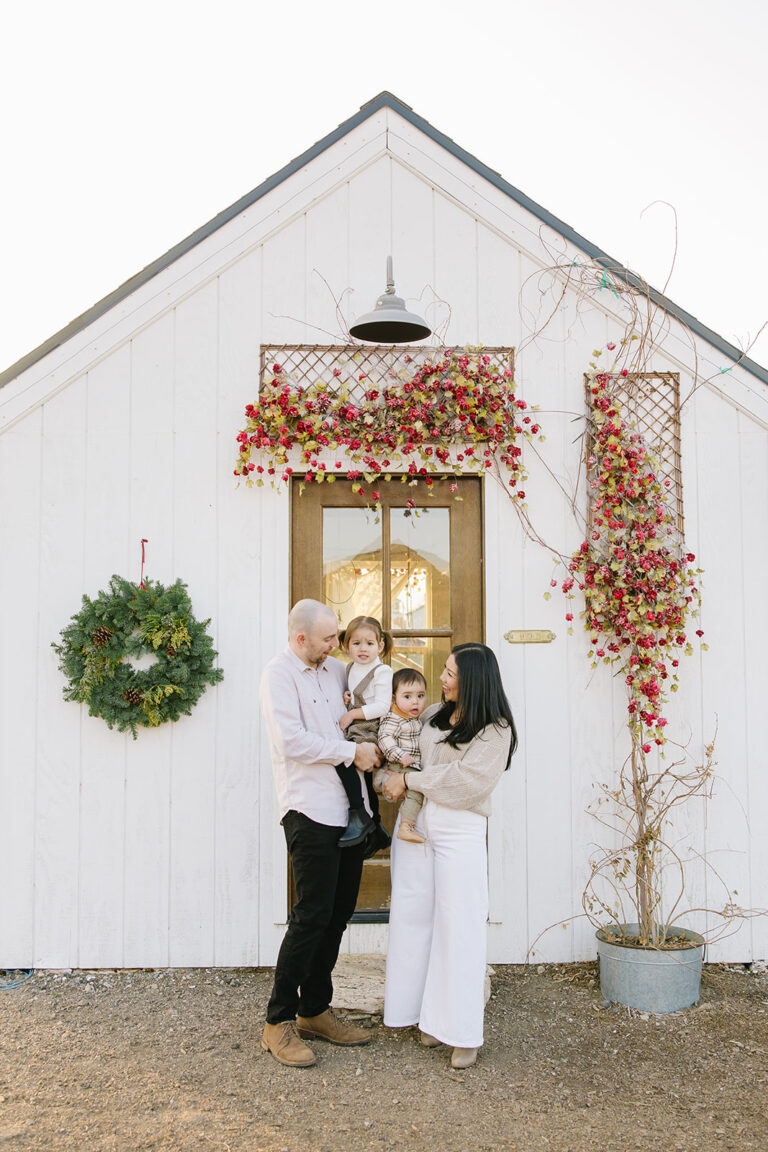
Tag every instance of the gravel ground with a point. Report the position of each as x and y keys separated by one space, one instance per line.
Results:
x=170 y=1060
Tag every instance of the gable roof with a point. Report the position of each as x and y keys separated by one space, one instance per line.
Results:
x=383 y=100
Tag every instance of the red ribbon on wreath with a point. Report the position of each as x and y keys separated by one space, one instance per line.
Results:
x=143 y=542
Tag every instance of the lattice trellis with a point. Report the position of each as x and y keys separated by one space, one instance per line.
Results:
x=356 y=366
x=650 y=402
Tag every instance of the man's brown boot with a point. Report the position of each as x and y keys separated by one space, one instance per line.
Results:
x=327 y=1026
x=282 y=1041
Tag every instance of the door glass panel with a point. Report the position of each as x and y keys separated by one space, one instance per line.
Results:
x=352 y=563
x=427 y=654
x=420 y=556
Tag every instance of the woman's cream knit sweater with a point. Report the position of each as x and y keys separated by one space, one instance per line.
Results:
x=463 y=777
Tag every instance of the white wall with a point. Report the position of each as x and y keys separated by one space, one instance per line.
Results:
x=166 y=850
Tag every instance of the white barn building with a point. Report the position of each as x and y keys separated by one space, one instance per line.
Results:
x=167 y=850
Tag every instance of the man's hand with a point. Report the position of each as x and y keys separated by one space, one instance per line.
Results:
x=367 y=757
x=394 y=786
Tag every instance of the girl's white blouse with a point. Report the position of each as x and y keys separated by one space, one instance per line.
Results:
x=378 y=694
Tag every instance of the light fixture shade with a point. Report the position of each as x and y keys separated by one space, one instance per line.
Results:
x=390 y=322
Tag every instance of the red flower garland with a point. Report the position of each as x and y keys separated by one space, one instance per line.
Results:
x=638 y=584
x=462 y=399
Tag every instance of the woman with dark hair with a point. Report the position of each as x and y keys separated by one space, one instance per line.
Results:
x=437 y=926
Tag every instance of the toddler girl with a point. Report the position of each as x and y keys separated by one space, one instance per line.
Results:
x=399 y=734
x=369 y=691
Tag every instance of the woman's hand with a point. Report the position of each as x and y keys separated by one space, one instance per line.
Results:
x=394 y=786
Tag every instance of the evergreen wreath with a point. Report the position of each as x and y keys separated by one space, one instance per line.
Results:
x=124 y=622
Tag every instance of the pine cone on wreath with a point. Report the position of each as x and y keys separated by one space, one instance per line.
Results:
x=101 y=636
x=133 y=696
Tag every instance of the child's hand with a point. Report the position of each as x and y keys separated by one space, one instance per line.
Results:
x=347 y=719
x=407 y=760
x=347 y=698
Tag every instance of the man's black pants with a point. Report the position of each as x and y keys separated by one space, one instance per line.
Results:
x=327 y=880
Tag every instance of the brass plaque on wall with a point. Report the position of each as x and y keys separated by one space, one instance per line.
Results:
x=529 y=636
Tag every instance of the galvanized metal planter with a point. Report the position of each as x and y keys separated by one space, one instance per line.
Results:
x=648 y=979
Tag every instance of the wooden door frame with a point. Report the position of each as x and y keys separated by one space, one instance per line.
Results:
x=467 y=613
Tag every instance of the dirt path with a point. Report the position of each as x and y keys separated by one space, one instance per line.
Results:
x=170 y=1060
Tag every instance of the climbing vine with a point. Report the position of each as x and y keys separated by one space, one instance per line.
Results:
x=639 y=584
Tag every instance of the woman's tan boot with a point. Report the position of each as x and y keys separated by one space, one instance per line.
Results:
x=463 y=1057
x=429 y=1041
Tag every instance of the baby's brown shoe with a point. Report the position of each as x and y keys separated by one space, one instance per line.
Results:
x=407 y=831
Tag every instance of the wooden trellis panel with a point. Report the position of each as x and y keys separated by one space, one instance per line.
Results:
x=358 y=367
x=650 y=402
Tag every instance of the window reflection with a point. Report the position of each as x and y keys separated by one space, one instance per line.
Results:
x=425 y=654
x=419 y=568
x=351 y=563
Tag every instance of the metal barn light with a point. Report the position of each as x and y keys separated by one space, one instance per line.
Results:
x=390 y=323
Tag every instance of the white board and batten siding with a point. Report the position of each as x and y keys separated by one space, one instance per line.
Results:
x=166 y=850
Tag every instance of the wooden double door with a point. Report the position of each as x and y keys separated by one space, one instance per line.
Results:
x=419 y=570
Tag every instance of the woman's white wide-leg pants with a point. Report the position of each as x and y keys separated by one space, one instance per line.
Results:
x=437 y=928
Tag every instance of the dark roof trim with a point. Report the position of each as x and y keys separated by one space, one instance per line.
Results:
x=383 y=100
x=613 y=266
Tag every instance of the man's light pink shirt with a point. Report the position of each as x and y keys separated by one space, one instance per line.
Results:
x=302 y=706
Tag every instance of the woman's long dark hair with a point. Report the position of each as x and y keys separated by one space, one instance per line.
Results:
x=481 y=699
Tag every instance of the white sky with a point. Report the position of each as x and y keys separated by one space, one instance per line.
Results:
x=127 y=126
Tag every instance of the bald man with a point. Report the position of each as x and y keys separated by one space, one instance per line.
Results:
x=302 y=699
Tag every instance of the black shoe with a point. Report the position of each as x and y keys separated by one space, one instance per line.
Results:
x=358 y=827
x=377 y=838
